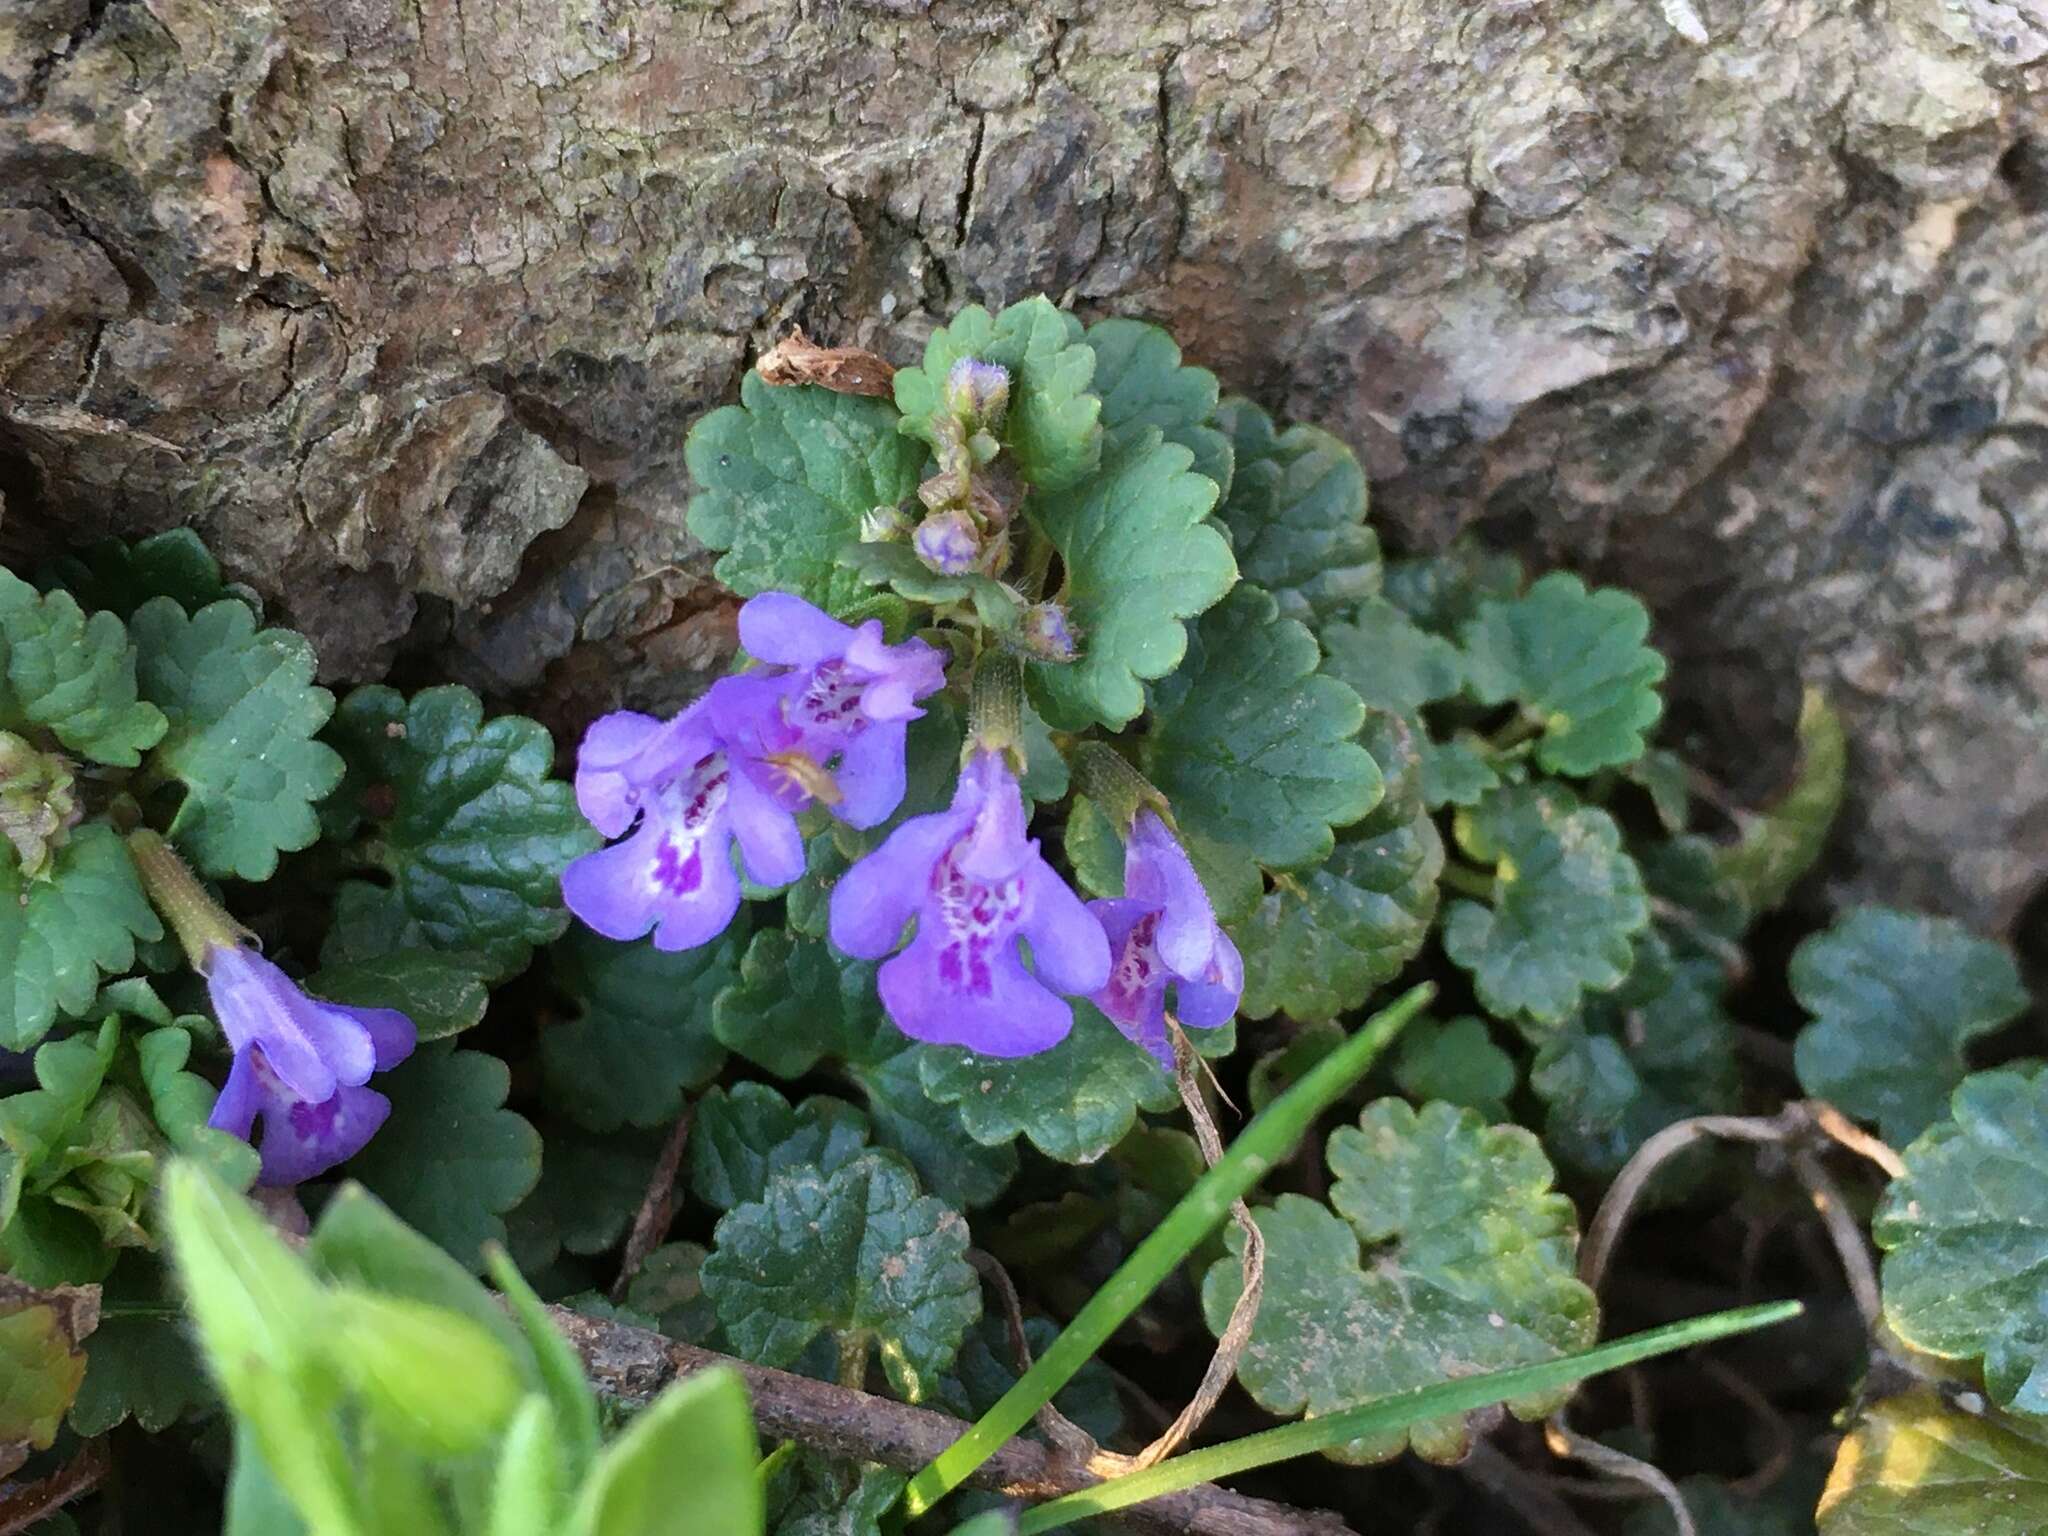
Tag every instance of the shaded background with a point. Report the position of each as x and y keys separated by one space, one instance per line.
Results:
x=406 y=305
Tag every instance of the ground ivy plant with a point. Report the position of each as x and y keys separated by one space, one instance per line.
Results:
x=1084 y=776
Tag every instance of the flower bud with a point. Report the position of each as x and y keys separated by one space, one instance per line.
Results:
x=883 y=525
x=948 y=542
x=1046 y=634
x=977 y=392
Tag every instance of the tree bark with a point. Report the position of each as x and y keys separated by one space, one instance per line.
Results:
x=406 y=305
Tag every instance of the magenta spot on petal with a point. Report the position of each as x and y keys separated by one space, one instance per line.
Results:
x=677 y=875
x=315 y=1120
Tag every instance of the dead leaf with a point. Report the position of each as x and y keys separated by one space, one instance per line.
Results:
x=843 y=370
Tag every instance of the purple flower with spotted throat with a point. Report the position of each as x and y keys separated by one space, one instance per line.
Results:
x=300 y=1066
x=850 y=697
x=977 y=887
x=717 y=773
x=1162 y=931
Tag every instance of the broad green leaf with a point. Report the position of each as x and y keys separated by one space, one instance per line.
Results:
x=41 y=1364
x=1458 y=771
x=643 y=1036
x=590 y=1187
x=243 y=712
x=745 y=1136
x=1139 y=559
x=1375 y=650
x=1965 y=1234
x=784 y=479
x=670 y=1289
x=1576 y=664
x=181 y=1102
x=1780 y=845
x=799 y=1004
x=1254 y=749
x=684 y=1464
x=1449 y=1255
x=58 y=936
x=1142 y=382
x=1657 y=1049
x=73 y=676
x=812 y=1494
x=1443 y=593
x=1566 y=902
x=1296 y=513
x=529 y=1490
x=1455 y=1061
x=1052 y=428
x=1074 y=1102
x=119 y=578
x=443 y=992
x=140 y=1361
x=856 y=1251
x=465 y=820
x=400 y=1356
x=1917 y=1465
x=1320 y=943
x=451 y=1160
x=1667 y=779
x=1896 y=999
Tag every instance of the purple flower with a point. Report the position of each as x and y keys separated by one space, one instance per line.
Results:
x=948 y=542
x=977 y=886
x=1162 y=930
x=1046 y=632
x=300 y=1066
x=721 y=770
x=977 y=392
x=849 y=696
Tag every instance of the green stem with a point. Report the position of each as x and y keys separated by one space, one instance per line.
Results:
x=196 y=918
x=772 y=1462
x=1394 y=1412
x=1467 y=881
x=1518 y=730
x=1265 y=1143
x=853 y=1360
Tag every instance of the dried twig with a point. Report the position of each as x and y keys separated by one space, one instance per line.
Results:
x=23 y=1505
x=1565 y=1441
x=657 y=1206
x=1067 y=1437
x=631 y=1365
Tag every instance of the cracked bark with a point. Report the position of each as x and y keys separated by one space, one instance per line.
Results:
x=1752 y=326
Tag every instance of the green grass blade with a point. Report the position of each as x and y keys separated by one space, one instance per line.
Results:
x=1264 y=1144
x=1395 y=1412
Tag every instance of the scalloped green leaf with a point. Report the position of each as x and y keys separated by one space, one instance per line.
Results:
x=1252 y=746
x=1458 y=771
x=73 y=676
x=1778 y=846
x=1567 y=901
x=1073 y=1102
x=41 y=1366
x=1657 y=1049
x=1296 y=513
x=443 y=992
x=466 y=821
x=451 y=1160
x=784 y=479
x=798 y=1004
x=118 y=578
x=642 y=1035
x=243 y=712
x=1139 y=560
x=1920 y=1465
x=1052 y=428
x=59 y=935
x=1965 y=1234
x=140 y=1362
x=589 y=1190
x=811 y=1494
x=1458 y=1062
x=1448 y=1254
x=1381 y=655
x=1320 y=943
x=745 y=1135
x=1896 y=999
x=1141 y=381
x=1576 y=664
x=1442 y=593
x=858 y=1250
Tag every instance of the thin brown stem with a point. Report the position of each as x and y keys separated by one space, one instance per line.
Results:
x=657 y=1205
